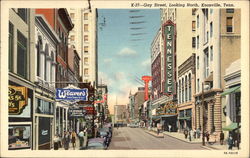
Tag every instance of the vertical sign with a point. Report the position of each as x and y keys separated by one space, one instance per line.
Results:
x=169 y=51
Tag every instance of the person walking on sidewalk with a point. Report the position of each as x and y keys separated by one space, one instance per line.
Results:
x=230 y=142
x=221 y=138
x=66 y=140
x=207 y=136
x=158 y=128
x=198 y=133
x=73 y=139
x=56 y=142
x=81 y=138
x=169 y=128
x=186 y=133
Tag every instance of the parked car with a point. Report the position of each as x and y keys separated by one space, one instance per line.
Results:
x=96 y=144
x=106 y=134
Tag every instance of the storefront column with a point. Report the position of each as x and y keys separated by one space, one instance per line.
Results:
x=63 y=120
x=197 y=113
x=201 y=117
x=59 y=118
x=209 y=117
x=66 y=123
x=217 y=113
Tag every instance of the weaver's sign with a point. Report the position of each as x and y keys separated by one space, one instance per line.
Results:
x=169 y=51
x=72 y=94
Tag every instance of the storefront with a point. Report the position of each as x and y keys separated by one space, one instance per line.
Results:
x=20 y=117
x=185 y=119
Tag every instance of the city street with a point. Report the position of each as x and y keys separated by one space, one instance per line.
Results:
x=126 y=138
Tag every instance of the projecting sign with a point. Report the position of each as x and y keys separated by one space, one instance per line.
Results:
x=169 y=50
x=77 y=112
x=72 y=94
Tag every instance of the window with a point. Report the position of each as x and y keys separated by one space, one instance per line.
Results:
x=197 y=21
x=197 y=62
x=86 y=38
x=193 y=25
x=38 y=59
x=11 y=46
x=23 y=14
x=198 y=85
x=206 y=59
x=211 y=53
x=229 y=24
x=189 y=86
x=211 y=11
x=198 y=42
x=193 y=11
x=86 y=49
x=72 y=38
x=231 y=10
x=86 y=16
x=193 y=42
x=207 y=36
x=86 y=81
x=86 y=71
x=86 y=60
x=21 y=54
x=186 y=85
x=211 y=29
x=72 y=15
x=182 y=94
x=86 y=27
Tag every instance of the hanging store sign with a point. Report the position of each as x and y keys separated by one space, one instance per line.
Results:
x=169 y=109
x=72 y=94
x=77 y=112
x=17 y=99
x=169 y=51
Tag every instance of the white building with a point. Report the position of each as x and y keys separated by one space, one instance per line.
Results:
x=84 y=38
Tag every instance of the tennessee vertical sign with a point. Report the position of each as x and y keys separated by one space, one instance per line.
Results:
x=169 y=53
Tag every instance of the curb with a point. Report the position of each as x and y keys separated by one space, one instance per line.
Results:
x=154 y=135
x=182 y=139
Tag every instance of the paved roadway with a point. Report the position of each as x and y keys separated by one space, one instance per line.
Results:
x=126 y=138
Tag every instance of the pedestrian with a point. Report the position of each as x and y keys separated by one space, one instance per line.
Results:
x=169 y=128
x=198 y=133
x=81 y=139
x=73 y=139
x=207 y=136
x=66 y=140
x=194 y=134
x=56 y=142
x=221 y=138
x=185 y=133
x=230 y=142
x=191 y=134
x=158 y=128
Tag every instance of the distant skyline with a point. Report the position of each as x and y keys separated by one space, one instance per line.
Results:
x=124 y=42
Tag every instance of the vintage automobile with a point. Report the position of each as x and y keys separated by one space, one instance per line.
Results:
x=96 y=144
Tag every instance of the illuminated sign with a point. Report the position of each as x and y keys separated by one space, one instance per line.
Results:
x=72 y=94
x=169 y=50
x=169 y=109
x=17 y=99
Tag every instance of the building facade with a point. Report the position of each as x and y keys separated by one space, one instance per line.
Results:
x=217 y=37
x=21 y=78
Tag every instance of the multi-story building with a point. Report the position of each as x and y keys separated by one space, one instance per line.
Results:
x=21 y=78
x=120 y=114
x=185 y=50
x=84 y=38
x=46 y=41
x=217 y=38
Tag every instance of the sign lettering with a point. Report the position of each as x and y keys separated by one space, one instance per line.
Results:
x=72 y=94
x=17 y=99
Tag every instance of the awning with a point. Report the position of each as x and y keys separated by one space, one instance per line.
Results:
x=185 y=118
x=230 y=127
x=156 y=118
x=230 y=90
x=167 y=115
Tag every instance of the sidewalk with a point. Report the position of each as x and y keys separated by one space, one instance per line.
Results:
x=77 y=144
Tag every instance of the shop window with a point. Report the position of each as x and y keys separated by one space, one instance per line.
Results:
x=229 y=24
x=44 y=107
x=21 y=55
x=19 y=137
x=11 y=46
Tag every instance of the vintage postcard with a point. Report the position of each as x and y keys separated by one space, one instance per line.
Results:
x=96 y=78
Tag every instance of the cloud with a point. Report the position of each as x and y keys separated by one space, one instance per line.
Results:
x=127 y=52
x=105 y=79
x=107 y=60
x=146 y=62
x=119 y=76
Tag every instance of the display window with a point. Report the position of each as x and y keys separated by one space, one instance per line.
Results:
x=19 y=137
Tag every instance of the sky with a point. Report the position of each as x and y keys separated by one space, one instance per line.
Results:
x=123 y=52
